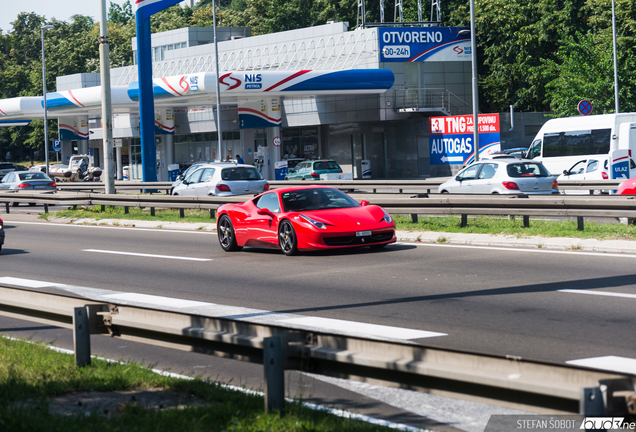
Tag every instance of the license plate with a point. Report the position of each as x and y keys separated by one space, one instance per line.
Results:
x=39 y=187
x=363 y=233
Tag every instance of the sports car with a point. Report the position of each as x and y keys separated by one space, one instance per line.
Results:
x=303 y=218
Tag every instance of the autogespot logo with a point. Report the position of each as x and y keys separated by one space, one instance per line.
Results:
x=607 y=423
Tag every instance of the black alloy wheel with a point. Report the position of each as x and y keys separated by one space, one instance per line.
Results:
x=225 y=231
x=287 y=239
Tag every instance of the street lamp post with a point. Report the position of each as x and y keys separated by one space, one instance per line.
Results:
x=615 y=61
x=46 y=128
x=475 y=87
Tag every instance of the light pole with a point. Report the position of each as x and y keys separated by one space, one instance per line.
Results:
x=615 y=62
x=473 y=59
x=218 y=88
x=475 y=87
x=46 y=127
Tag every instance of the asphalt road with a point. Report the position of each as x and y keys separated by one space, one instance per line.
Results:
x=500 y=301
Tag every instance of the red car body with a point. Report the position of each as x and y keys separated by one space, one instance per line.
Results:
x=303 y=218
x=628 y=187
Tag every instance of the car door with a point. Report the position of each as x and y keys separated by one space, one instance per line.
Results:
x=4 y=183
x=202 y=187
x=577 y=171
x=483 y=183
x=190 y=183
x=465 y=180
x=265 y=227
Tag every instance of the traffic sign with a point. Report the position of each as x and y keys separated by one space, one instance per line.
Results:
x=276 y=141
x=585 y=107
x=57 y=146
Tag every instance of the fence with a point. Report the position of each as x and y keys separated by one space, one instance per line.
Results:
x=533 y=385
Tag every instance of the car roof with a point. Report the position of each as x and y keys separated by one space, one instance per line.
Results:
x=294 y=188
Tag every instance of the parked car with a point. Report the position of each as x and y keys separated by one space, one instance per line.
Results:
x=184 y=173
x=1 y=234
x=596 y=168
x=6 y=168
x=518 y=152
x=292 y=163
x=311 y=169
x=502 y=176
x=303 y=218
x=222 y=179
x=27 y=181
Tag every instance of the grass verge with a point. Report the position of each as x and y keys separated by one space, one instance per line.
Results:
x=134 y=213
x=495 y=225
x=476 y=224
x=33 y=378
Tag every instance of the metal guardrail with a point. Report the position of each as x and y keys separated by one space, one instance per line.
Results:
x=401 y=186
x=533 y=385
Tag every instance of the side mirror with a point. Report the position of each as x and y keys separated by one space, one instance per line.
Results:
x=181 y=177
x=265 y=212
x=364 y=203
x=458 y=178
x=566 y=172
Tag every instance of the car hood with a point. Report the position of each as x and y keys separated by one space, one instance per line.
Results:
x=353 y=217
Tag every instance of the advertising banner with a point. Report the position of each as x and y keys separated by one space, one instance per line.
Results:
x=451 y=138
x=416 y=44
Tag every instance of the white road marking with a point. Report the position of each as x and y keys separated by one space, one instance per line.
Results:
x=599 y=293
x=363 y=328
x=156 y=300
x=146 y=255
x=507 y=249
x=111 y=227
x=610 y=363
x=28 y=283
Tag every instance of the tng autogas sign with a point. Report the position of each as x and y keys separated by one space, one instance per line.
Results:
x=419 y=44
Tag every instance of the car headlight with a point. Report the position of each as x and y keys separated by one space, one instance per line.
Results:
x=386 y=218
x=314 y=222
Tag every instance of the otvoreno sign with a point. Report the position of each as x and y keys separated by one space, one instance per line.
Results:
x=415 y=44
x=451 y=138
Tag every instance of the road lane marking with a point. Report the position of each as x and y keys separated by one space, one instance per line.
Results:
x=146 y=255
x=599 y=293
x=511 y=249
x=28 y=283
x=610 y=363
x=156 y=300
x=344 y=327
x=363 y=328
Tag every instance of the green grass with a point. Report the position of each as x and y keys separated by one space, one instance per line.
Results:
x=168 y=215
x=31 y=374
x=451 y=224
x=494 y=225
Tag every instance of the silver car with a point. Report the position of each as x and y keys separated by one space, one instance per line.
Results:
x=222 y=179
x=27 y=181
x=502 y=176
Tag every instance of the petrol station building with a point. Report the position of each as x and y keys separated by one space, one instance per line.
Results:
x=323 y=91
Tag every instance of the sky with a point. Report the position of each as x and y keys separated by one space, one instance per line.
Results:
x=60 y=9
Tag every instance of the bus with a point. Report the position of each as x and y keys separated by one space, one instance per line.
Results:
x=562 y=142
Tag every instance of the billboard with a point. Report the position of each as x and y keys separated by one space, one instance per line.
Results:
x=451 y=138
x=417 y=44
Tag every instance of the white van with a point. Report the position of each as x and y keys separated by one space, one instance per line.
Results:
x=563 y=142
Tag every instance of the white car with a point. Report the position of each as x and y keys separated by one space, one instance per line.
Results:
x=596 y=168
x=222 y=179
x=509 y=176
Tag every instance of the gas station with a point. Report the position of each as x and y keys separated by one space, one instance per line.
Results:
x=361 y=97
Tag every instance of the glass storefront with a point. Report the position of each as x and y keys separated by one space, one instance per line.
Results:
x=300 y=142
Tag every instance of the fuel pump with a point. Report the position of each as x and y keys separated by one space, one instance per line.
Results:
x=260 y=158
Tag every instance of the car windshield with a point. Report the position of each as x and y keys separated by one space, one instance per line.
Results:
x=316 y=199
x=326 y=165
x=33 y=176
x=527 y=169
x=241 y=173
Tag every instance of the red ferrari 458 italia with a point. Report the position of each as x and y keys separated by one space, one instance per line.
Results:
x=303 y=218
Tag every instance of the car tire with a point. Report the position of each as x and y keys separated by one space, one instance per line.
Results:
x=287 y=239
x=225 y=233
x=15 y=204
x=32 y=204
x=444 y=191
